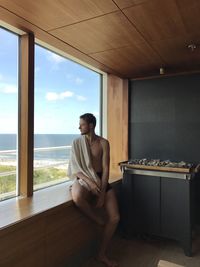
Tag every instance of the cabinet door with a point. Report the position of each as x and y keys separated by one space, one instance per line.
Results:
x=141 y=204
x=127 y=216
x=176 y=212
x=146 y=203
x=175 y=207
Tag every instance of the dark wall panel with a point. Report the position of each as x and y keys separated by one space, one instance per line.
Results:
x=164 y=119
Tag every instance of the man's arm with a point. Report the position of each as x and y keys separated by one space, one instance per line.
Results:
x=105 y=164
x=92 y=185
x=105 y=173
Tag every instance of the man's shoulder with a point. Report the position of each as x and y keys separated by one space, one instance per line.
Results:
x=104 y=141
x=77 y=140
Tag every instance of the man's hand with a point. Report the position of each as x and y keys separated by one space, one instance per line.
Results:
x=100 y=200
x=94 y=188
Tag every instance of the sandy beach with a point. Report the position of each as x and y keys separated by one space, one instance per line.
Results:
x=38 y=163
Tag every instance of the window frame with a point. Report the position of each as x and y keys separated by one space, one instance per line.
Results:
x=65 y=56
x=27 y=42
x=18 y=33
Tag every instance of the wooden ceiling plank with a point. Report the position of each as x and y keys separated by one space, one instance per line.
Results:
x=50 y=14
x=99 y=34
x=131 y=59
x=176 y=52
x=156 y=20
x=189 y=11
x=128 y=3
x=47 y=38
x=126 y=42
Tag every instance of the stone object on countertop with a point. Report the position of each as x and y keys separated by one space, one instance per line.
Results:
x=161 y=163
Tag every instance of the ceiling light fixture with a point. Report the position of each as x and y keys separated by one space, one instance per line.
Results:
x=162 y=71
x=192 y=47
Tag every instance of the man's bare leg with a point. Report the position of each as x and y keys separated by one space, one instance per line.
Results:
x=111 y=208
x=80 y=196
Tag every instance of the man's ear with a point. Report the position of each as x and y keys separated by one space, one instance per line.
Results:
x=91 y=126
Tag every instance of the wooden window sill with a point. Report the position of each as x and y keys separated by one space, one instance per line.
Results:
x=18 y=209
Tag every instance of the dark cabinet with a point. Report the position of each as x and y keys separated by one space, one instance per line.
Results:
x=141 y=211
x=157 y=205
x=177 y=211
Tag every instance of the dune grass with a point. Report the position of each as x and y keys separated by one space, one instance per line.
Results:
x=44 y=175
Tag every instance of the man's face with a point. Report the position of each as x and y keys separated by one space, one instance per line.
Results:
x=84 y=127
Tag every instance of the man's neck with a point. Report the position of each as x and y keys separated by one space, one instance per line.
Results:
x=91 y=137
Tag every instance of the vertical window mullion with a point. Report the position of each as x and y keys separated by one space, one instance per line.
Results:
x=26 y=120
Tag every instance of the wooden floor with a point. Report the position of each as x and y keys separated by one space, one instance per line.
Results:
x=148 y=252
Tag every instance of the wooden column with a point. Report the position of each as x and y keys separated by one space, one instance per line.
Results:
x=117 y=123
x=26 y=114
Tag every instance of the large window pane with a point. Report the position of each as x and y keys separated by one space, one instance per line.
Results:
x=63 y=91
x=8 y=113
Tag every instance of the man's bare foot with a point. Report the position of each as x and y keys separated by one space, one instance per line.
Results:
x=108 y=263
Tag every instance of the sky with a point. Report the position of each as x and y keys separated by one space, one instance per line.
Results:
x=64 y=90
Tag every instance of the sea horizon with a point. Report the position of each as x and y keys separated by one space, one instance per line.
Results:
x=9 y=142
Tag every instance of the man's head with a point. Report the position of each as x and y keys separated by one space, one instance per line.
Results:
x=87 y=123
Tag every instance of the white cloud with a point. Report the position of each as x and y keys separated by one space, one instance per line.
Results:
x=78 y=80
x=8 y=88
x=75 y=79
x=55 y=58
x=81 y=98
x=52 y=96
x=10 y=123
x=66 y=94
x=53 y=124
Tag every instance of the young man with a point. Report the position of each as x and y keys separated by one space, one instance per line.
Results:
x=90 y=163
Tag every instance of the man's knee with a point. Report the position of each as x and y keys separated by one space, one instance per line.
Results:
x=77 y=199
x=77 y=194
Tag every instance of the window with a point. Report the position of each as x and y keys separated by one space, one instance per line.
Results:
x=64 y=90
x=8 y=113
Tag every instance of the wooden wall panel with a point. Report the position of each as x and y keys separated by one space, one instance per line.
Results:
x=55 y=237
x=66 y=233
x=117 y=122
x=23 y=246
x=48 y=239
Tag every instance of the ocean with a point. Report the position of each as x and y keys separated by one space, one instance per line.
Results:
x=52 y=141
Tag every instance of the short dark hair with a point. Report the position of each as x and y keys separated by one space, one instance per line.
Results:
x=90 y=118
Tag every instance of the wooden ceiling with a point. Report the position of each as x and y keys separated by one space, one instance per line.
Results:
x=129 y=38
